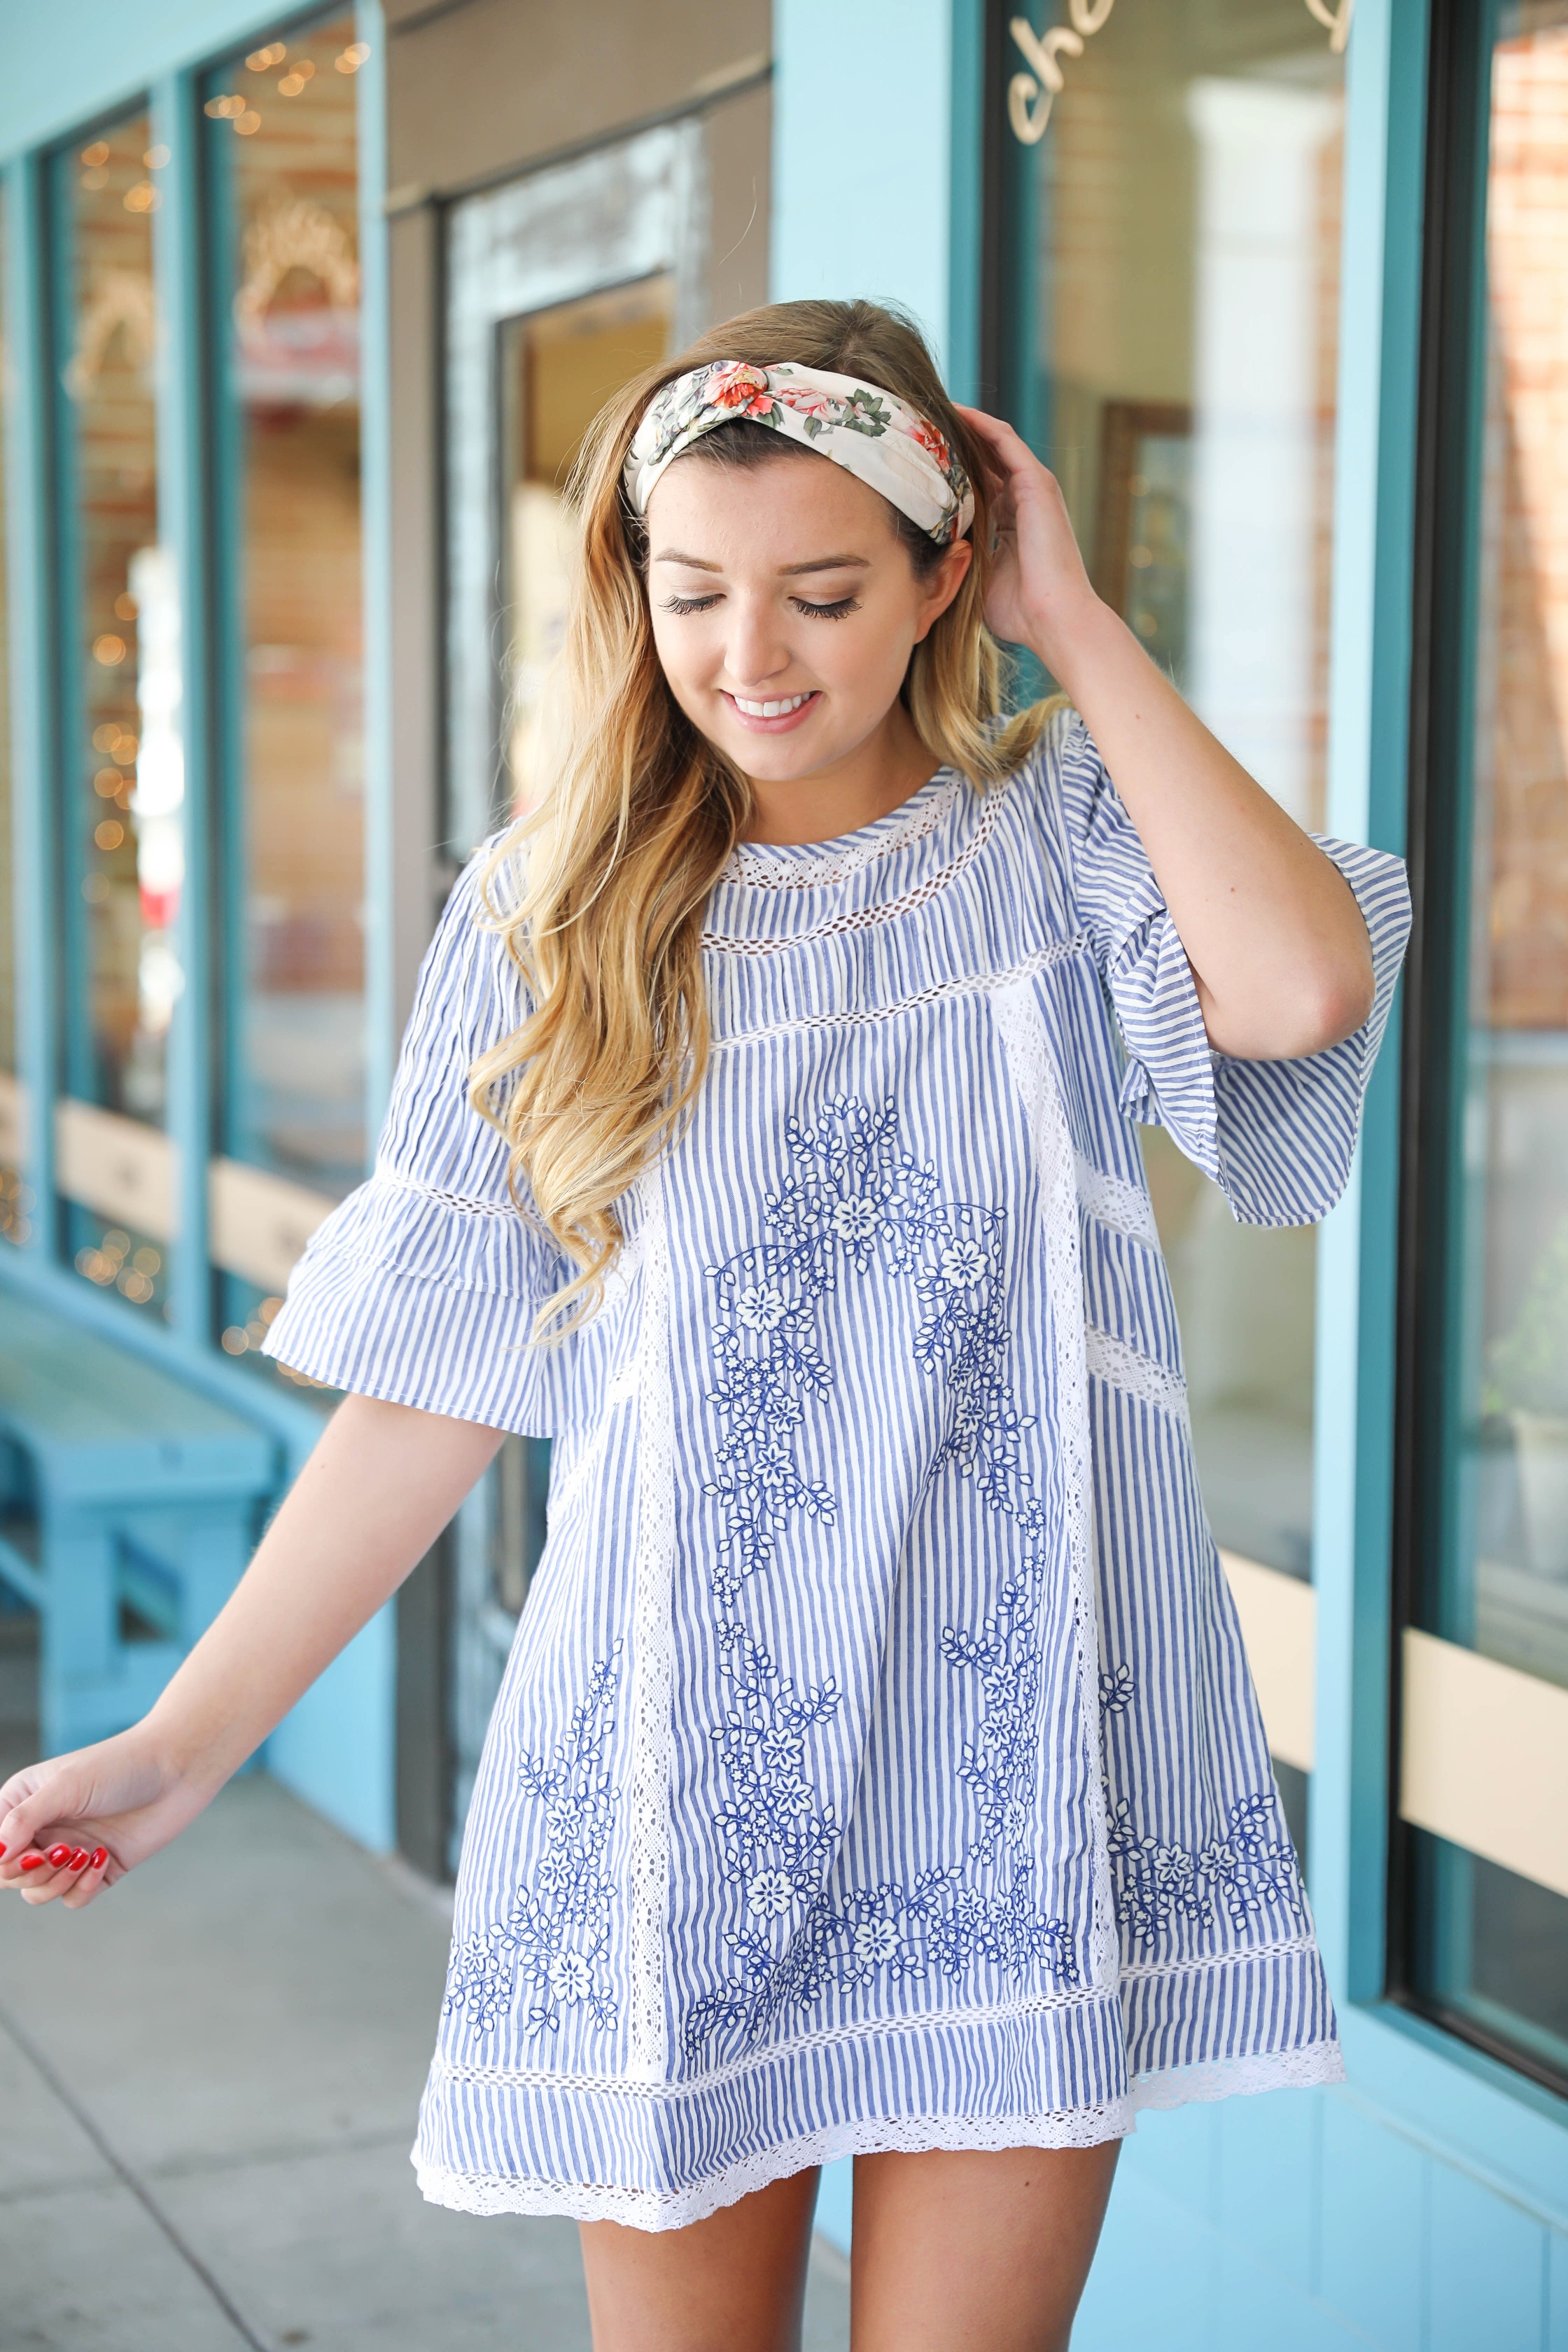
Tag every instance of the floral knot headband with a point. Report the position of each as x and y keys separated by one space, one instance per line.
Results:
x=871 y=434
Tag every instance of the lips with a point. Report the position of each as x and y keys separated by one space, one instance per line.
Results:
x=775 y=715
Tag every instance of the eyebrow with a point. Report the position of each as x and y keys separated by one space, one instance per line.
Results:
x=788 y=572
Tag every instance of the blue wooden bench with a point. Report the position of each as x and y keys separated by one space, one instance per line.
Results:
x=129 y=1506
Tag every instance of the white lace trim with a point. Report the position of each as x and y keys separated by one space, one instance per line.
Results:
x=859 y=918
x=654 y=1645
x=1028 y=1052
x=977 y=983
x=650 y=2209
x=756 y=866
x=463 y=1202
x=1115 y=1203
x=1136 y=1374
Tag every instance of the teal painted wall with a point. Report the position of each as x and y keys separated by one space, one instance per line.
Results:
x=862 y=178
x=1424 y=2207
x=64 y=64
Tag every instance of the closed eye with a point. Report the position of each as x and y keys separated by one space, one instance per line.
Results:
x=687 y=604
x=834 y=612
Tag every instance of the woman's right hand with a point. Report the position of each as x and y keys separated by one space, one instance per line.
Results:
x=73 y=1825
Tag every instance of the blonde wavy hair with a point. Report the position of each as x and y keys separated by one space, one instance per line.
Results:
x=614 y=868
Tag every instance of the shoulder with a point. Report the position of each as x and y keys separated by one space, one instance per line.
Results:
x=472 y=980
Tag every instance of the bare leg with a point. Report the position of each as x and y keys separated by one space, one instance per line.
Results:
x=974 y=2252
x=735 y=2283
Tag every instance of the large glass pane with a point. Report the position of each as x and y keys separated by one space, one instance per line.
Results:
x=15 y=1222
x=1489 y=1274
x=1169 y=349
x=125 y=833
x=1508 y=1570
x=282 y=184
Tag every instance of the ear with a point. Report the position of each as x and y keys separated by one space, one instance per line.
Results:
x=944 y=583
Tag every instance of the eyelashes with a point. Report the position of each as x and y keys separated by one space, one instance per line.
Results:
x=835 y=612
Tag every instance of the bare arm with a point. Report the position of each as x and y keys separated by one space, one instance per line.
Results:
x=1276 y=941
x=371 y=1500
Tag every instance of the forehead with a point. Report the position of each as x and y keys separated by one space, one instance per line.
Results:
x=786 y=510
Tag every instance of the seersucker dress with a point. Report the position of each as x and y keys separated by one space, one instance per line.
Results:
x=876 y=1764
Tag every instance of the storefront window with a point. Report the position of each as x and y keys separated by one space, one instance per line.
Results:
x=1168 y=347
x=16 y=1223
x=282 y=187
x=1488 y=1277
x=124 y=818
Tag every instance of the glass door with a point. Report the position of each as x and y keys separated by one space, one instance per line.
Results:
x=1481 y=1877
x=1165 y=337
x=562 y=286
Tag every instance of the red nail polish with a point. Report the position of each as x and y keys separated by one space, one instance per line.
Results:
x=79 y=1858
x=59 y=1853
x=32 y=1862
x=99 y=1856
x=2 y=1853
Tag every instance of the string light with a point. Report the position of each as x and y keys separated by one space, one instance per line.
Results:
x=142 y=198
x=109 y=649
x=294 y=80
x=95 y=156
x=248 y=123
x=226 y=108
x=352 y=58
x=262 y=60
x=155 y=158
x=110 y=834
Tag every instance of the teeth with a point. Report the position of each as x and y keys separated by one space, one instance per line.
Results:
x=770 y=709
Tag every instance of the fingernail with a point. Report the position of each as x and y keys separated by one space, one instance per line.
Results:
x=32 y=1862
x=2 y=1852
x=99 y=1856
x=59 y=1853
x=79 y=1858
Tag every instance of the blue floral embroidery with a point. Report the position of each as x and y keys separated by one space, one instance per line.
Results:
x=557 y=1934
x=1248 y=1869
x=779 y=1844
x=851 y=1198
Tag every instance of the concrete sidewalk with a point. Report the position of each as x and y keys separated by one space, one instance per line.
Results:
x=208 y=2083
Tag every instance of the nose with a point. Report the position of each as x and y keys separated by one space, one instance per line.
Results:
x=756 y=654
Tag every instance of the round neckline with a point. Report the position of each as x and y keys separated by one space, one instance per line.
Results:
x=798 y=862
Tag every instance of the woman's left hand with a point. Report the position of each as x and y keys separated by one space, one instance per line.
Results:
x=1039 y=595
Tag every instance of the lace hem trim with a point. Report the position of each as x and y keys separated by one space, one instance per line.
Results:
x=982 y=983
x=652 y=2209
x=860 y=918
x=758 y=868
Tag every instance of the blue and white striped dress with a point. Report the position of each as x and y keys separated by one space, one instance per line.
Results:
x=876 y=1764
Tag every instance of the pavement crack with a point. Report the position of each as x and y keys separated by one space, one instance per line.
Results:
x=132 y=2180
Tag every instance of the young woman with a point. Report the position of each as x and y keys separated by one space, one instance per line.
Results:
x=876 y=1771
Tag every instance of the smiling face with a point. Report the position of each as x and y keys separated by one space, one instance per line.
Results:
x=785 y=607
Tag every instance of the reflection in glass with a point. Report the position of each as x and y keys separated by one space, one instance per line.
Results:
x=283 y=186
x=1507 y=1569
x=1488 y=1367
x=16 y=1224
x=558 y=369
x=1492 y=1950
x=1172 y=356
x=125 y=834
